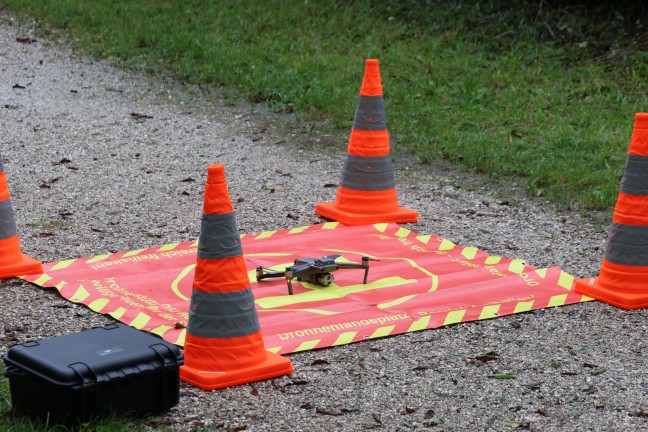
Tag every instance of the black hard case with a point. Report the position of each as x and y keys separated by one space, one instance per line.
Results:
x=110 y=370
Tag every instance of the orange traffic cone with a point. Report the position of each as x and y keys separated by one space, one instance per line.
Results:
x=367 y=190
x=623 y=278
x=223 y=346
x=12 y=261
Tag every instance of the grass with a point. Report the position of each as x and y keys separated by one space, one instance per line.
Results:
x=11 y=421
x=542 y=93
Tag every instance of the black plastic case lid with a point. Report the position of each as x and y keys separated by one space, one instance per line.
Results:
x=96 y=355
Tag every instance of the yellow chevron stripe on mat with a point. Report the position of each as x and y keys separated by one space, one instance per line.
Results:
x=566 y=280
x=491 y=260
x=424 y=238
x=469 y=252
x=402 y=232
x=80 y=294
x=161 y=330
x=63 y=264
x=97 y=258
x=523 y=307
x=489 y=311
x=98 y=305
x=133 y=253
x=454 y=317
x=265 y=234
x=140 y=320
x=118 y=313
x=42 y=279
x=309 y=345
x=345 y=338
x=382 y=227
x=382 y=331
x=517 y=266
x=419 y=324
x=446 y=245
x=557 y=300
x=181 y=338
x=297 y=231
x=330 y=225
x=168 y=247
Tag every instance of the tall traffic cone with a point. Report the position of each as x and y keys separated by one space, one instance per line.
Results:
x=623 y=277
x=12 y=261
x=367 y=190
x=223 y=346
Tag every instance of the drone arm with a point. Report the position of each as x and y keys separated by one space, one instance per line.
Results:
x=261 y=273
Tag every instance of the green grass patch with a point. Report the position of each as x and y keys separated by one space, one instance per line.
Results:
x=540 y=93
x=11 y=421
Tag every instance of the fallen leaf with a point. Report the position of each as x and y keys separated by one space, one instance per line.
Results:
x=18 y=86
x=409 y=410
x=543 y=412
x=328 y=412
x=299 y=382
x=26 y=40
x=47 y=234
x=639 y=413
x=429 y=414
x=139 y=116
x=180 y=325
x=330 y=185
x=254 y=392
x=319 y=362
x=502 y=376
x=188 y=179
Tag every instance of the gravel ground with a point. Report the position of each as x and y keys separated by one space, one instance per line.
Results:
x=99 y=159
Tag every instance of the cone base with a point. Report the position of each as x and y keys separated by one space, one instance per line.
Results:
x=399 y=215
x=26 y=266
x=590 y=287
x=273 y=366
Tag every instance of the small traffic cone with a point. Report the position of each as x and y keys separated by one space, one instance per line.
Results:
x=623 y=277
x=12 y=261
x=223 y=346
x=367 y=190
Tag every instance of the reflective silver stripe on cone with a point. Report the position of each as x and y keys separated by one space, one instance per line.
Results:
x=7 y=222
x=635 y=176
x=222 y=315
x=367 y=173
x=627 y=245
x=370 y=114
x=219 y=236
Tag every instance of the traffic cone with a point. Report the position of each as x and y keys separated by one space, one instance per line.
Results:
x=223 y=346
x=12 y=261
x=623 y=277
x=367 y=190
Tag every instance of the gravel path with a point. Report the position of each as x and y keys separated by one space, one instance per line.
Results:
x=100 y=160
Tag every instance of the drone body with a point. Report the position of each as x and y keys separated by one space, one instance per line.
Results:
x=314 y=270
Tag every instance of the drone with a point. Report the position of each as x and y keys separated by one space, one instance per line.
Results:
x=314 y=270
